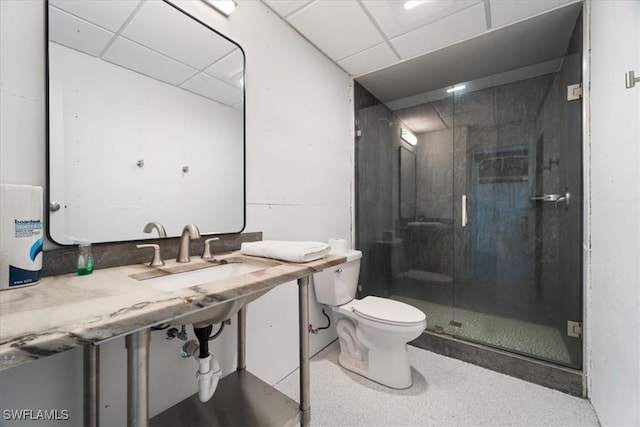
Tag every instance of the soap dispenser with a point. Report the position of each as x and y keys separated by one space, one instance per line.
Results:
x=85 y=259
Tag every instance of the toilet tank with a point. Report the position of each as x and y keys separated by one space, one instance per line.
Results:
x=337 y=285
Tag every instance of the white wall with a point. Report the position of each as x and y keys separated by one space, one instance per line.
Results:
x=299 y=186
x=614 y=293
x=141 y=118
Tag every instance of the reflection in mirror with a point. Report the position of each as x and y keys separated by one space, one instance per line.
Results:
x=146 y=122
x=407 y=184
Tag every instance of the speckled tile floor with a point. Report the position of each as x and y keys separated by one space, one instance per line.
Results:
x=527 y=338
x=446 y=392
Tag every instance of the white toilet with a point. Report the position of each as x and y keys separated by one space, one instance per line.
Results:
x=373 y=331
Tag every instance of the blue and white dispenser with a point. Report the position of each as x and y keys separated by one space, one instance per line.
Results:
x=20 y=235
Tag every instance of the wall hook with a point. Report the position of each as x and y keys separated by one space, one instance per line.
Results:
x=185 y=169
x=631 y=79
x=140 y=163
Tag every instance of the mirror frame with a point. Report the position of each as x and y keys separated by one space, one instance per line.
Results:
x=49 y=206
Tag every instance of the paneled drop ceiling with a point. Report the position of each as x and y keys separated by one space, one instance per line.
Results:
x=133 y=35
x=363 y=36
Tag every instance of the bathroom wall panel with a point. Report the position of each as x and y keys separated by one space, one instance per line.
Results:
x=272 y=319
x=54 y=382
x=614 y=292
x=22 y=113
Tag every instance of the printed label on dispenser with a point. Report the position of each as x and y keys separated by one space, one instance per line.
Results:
x=20 y=235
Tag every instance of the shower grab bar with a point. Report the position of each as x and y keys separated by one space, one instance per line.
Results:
x=553 y=198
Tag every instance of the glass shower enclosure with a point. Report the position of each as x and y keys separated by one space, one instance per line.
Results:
x=479 y=223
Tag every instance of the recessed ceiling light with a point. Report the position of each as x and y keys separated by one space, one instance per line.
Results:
x=456 y=88
x=225 y=7
x=408 y=5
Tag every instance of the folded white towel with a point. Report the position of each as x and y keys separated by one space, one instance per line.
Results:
x=286 y=251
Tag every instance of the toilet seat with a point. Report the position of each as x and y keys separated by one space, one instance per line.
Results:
x=388 y=311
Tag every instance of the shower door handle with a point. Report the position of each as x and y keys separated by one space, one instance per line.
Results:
x=553 y=198
x=465 y=217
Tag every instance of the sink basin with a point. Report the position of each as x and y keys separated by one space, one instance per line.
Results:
x=174 y=282
x=206 y=273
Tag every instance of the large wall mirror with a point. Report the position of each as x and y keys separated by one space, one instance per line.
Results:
x=146 y=122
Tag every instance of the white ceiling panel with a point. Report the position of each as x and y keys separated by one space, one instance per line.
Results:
x=138 y=58
x=285 y=8
x=533 y=41
x=109 y=14
x=394 y=19
x=212 y=88
x=369 y=60
x=338 y=28
x=505 y=12
x=451 y=29
x=67 y=30
x=228 y=68
x=239 y=106
x=422 y=118
x=149 y=28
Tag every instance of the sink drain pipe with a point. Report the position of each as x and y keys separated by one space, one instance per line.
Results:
x=209 y=370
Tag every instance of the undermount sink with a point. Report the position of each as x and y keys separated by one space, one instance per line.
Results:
x=199 y=273
x=176 y=281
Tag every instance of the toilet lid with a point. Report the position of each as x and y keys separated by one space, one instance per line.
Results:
x=388 y=311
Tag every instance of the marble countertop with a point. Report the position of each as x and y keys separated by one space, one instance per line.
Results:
x=67 y=311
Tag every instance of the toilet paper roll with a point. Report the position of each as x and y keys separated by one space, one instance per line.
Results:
x=338 y=246
x=20 y=235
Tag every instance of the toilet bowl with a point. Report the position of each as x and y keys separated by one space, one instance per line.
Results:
x=373 y=332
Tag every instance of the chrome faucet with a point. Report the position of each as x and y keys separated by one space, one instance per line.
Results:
x=189 y=232
x=150 y=226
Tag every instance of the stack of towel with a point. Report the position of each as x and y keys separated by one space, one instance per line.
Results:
x=286 y=251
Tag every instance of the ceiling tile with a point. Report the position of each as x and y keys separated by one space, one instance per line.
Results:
x=230 y=68
x=395 y=20
x=212 y=88
x=67 y=30
x=286 y=7
x=239 y=106
x=369 y=60
x=138 y=58
x=420 y=119
x=106 y=14
x=148 y=28
x=338 y=28
x=446 y=31
x=505 y=12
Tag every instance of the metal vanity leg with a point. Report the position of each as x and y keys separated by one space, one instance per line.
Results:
x=138 y=378
x=303 y=315
x=242 y=339
x=91 y=385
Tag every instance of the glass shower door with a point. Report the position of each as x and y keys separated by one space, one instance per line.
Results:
x=426 y=220
x=518 y=229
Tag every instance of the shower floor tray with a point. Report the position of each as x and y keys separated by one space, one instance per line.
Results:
x=529 y=339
